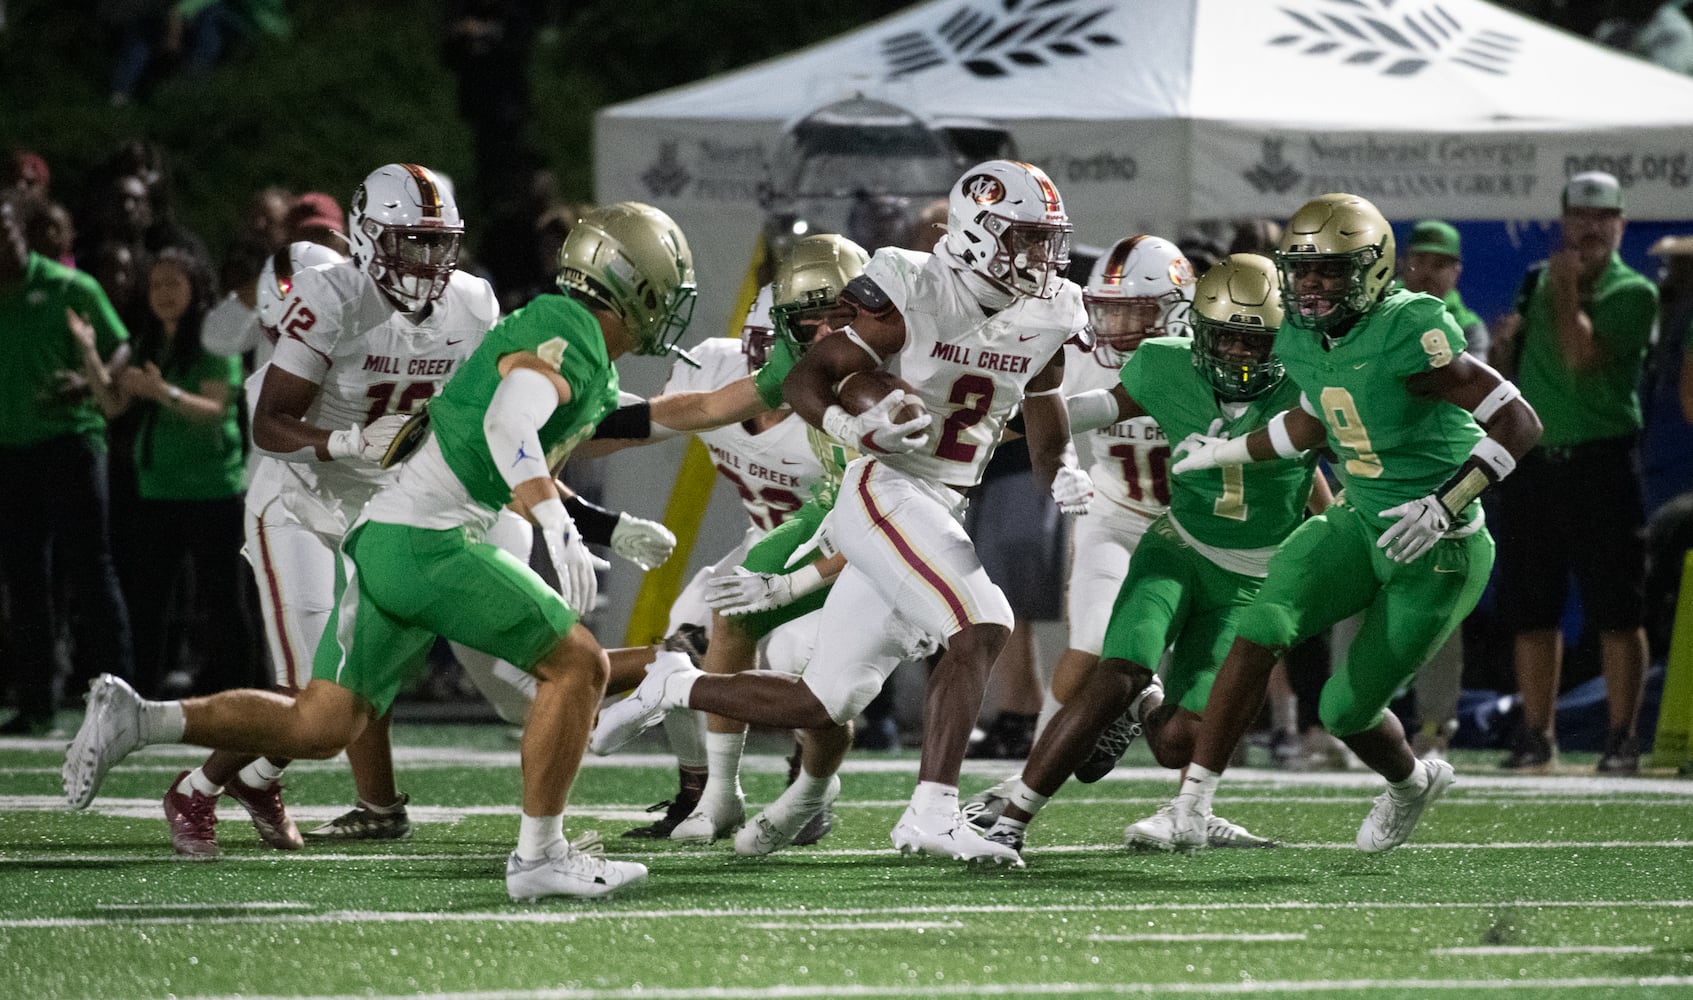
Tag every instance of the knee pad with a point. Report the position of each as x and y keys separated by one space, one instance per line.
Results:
x=1268 y=625
x=846 y=690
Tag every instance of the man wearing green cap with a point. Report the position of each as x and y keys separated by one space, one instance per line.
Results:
x=1432 y=266
x=1576 y=345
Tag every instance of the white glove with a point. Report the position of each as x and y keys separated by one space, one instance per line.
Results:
x=645 y=543
x=1073 y=490
x=368 y=444
x=1421 y=523
x=1198 y=451
x=575 y=566
x=874 y=429
x=738 y=592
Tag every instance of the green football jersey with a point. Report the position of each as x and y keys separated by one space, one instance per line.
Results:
x=563 y=334
x=1238 y=507
x=1391 y=445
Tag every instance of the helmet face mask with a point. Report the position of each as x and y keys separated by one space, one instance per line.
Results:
x=1236 y=313
x=1336 y=262
x=405 y=233
x=1007 y=222
x=805 y=294
x=1140 y=288
x=632 y=260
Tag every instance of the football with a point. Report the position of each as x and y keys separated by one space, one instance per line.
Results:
x=862 y=390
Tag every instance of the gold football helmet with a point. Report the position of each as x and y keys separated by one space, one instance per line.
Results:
x=1336 y=262
x=808 y=285
x=1237 y=309
x=632 y=260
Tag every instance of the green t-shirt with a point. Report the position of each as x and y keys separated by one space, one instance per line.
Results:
x=1392 y=445
x=1239 y=507
x=35 y=344
x=1603 y=403
x=562 y=333
x=181 y=459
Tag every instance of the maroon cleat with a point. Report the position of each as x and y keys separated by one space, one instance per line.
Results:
x=193 y=822
x=270 y=816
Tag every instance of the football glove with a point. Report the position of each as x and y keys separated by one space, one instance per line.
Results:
x=1073 y=490
x=738 y=592
x=367 y=444
x=645 y=543
x=874 y=430
x=576 y=567
x=1419 y=524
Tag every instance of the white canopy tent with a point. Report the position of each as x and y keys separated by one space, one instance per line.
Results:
x=1147 y=113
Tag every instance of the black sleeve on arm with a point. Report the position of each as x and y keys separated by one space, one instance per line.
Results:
x=634 y=421
x=594 y=522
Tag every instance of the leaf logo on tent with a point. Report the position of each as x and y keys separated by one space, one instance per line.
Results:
x=1398 y=43
x=1030 y=34
x=668 y=177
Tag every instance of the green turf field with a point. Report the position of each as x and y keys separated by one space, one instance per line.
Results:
x=1565 y=886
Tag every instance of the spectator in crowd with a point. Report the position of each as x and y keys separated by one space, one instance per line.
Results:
x=60 y=336
x=190 y=469
x=25 y=171
x=267 y=218
x=52 y=234
x=1575 y=345
x=1667 y=393
x=1432 y=265
x=1654 y=30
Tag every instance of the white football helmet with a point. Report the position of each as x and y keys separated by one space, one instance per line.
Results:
x=1141 y=287
x=1006 y=220
x=405 y=232
x=276 y=280
x=757 y=333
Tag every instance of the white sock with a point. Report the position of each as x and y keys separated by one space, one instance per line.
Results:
x=162 y=722
x=933 y=797
x=1413 y=784
x=682 y=729
x=1027 y=799
x=809 y=787
x=260 y=774
x=537 y=834
x=1200 y=785
x=196 y=781
x=723 y=761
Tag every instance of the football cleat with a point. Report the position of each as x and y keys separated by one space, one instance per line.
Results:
x=1394 y=816
x=1005 y=836
x=365 y=823
x=111 y=731
x=1219 y=832
x=1188 y=826
x=676 y=810
x=816 y=828
x=270 y=816
x=707 y=824
x=983 y=809
x=781 y=821
x=581 y=870
x=948 y=835
x=645 y=706
x=193 y=822
x=1112 y=744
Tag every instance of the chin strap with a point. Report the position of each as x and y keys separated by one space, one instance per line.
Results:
x=986 y=293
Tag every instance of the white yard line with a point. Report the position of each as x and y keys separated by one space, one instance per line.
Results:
x=794 y=992
x=1178 y=938
x=869 y=925
x=531 y=915
x=189 y=907
x=1555 y=949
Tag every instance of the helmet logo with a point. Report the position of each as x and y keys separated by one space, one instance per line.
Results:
x=1181 y=272
x=983 y=189
x=359 y=200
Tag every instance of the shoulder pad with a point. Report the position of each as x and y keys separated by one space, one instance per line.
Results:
x=863 y=294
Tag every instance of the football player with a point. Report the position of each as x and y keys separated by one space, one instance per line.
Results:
x=1419 y=429
x=977 y=328
x=416 y=564
x=1200 y=562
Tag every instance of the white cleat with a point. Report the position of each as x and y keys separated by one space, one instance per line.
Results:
x=582 y=871
x=1156 y=832
x=1219 y=832
x=949 y=835
x=1188 y=826
x=1393 y=817
x=705 y=824
x=110 y=732
x=777 y=824
x=645 y=706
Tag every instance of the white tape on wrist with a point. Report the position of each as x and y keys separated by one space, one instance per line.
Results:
x=551 y=516
x=1497 y=400
x=1280 y=439
x=840 y=425
x=805 y=580
x=1495 y=456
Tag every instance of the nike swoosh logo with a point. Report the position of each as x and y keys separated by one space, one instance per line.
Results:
x=1024 y=340
x=1359 y=365
x=789 y=461
x=455 y=343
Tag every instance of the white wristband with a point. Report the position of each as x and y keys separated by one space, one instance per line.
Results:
x=1497 y=400
x=840 y=425
x=1495 y=456
x=551 y=516
x=1280 y=440
x=1091 y=410
x=805 y=580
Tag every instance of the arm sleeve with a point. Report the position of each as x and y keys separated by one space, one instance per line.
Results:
x=522 y=402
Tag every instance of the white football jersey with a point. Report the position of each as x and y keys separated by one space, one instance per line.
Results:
x=1131 y=458
x=773 y=471
x=337 y=329
x=968 y=367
